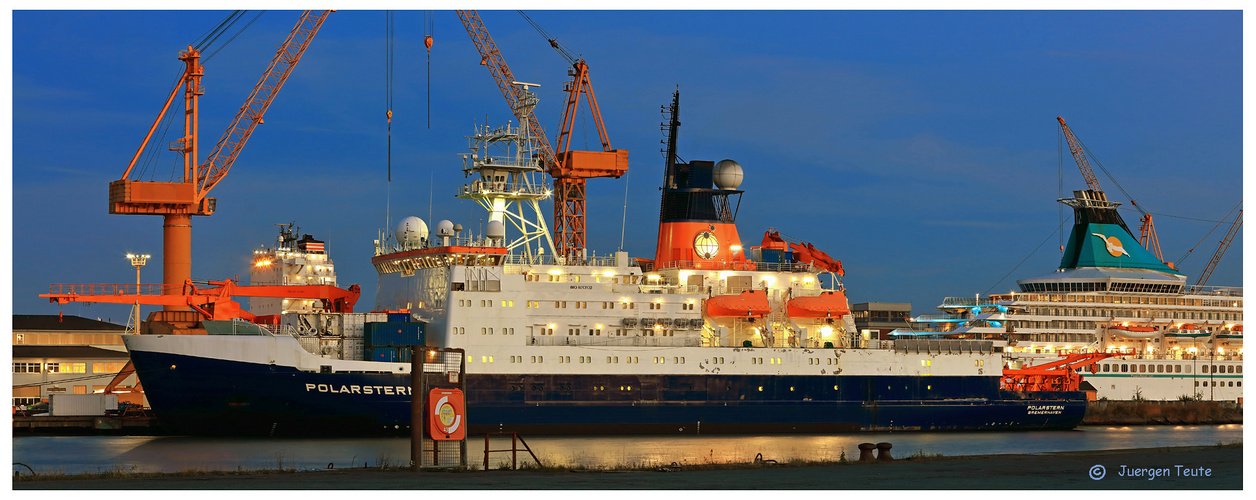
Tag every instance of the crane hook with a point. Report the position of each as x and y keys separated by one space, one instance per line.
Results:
x=427 y=42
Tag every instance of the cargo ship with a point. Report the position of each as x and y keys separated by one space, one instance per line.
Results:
x=708 y=336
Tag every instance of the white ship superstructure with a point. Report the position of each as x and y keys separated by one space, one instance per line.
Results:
x=296 y=260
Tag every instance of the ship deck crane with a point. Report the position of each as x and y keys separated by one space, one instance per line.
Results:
x=1061 y=375
x=570 y=169
x=178 y=201
x=1147 y=228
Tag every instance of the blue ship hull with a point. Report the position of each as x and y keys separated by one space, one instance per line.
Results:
x=198 y=395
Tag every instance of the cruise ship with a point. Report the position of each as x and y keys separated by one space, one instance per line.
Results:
x=712 y=334
x=1170 y=340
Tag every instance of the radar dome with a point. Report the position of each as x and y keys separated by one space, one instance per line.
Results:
x=727 y=174
x=411 y=230
x=444 y=229
x=495 y=230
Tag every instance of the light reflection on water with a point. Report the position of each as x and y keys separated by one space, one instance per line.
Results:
x=79 y=454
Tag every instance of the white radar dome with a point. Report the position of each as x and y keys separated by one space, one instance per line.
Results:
x=495 y=230
x=727 y=174
x=411 y=230
x=444 y=229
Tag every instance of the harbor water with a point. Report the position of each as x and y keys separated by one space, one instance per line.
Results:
x=92 y=454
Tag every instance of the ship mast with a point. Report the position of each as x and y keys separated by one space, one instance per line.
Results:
x=509 y=175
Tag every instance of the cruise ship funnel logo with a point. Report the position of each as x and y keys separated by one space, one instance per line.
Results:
x=1115 y=248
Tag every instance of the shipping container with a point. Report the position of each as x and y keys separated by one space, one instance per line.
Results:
x=80 y=405
x=393 y=334
x=390 y=354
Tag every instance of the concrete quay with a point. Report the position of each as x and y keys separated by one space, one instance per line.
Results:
x=1181 y=468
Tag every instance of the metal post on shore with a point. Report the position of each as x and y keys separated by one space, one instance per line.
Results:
x=416 y=407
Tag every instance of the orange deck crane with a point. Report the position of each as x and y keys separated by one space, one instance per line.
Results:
x=1147 y=229
x=1061 y=375
x=1225 y=245
x=178 y=201
x=570 y=169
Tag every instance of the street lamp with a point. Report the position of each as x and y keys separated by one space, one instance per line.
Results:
x=138 y=261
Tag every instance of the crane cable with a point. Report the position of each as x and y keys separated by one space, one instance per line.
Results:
x=562 y=49
x=201 y=44
x=388 y=86
x=1201 y=240
x=427 y=42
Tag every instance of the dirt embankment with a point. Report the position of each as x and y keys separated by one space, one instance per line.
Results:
x=1163 y=412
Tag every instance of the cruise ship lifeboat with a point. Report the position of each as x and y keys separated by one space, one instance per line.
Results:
x=747 y=304
x=829 y=304
x=1187 y=331
x=1133 y=332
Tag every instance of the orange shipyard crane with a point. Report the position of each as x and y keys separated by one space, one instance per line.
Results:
x=1225 y=245
x=178 y=201
x=570 y=169
x=1147 y=229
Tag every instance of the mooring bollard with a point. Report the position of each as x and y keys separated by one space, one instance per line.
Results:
x=865 y=452
x=883 y=452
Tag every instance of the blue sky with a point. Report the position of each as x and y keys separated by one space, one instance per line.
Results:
x=918 y=147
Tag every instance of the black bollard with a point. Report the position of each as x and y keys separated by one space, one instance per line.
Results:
x=865 y=452
x=883 y=452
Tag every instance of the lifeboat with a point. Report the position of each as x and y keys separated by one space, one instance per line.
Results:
x=1133 y=332
x=829 y=304
x=1187 y=331
x=747 y=304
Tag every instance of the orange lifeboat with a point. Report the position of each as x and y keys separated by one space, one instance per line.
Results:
x=747 y=304
x=1132 y=332
x=830 y=304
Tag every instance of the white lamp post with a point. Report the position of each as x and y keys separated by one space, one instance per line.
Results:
x=138 y=261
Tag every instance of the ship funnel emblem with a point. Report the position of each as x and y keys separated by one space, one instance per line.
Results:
x=1114 y=246
x=706 y=245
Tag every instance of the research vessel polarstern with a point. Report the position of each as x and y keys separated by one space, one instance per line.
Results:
x=707 y=337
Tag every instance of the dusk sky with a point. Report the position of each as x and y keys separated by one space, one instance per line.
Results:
x=919 y=148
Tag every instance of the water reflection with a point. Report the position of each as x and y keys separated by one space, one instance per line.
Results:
x=80 y=454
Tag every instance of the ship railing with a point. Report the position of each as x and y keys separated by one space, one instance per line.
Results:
x=113 y=289
x=518 y=259
x=1203 y=358
x=736 y=265
x=1220 y=291
x=603 y=341
x=968 y=302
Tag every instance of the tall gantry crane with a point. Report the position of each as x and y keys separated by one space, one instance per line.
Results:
x=1147 y=229
x=178 y=201
x=570 y=169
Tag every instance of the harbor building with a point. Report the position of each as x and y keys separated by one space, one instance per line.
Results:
x=875 y=320
x=65 y=354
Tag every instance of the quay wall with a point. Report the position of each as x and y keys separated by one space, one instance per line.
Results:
x=1163 y=412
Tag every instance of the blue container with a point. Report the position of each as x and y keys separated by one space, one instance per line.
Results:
x=398 y=317
x=773 y=255
x=390 y=354
x=392 y=334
